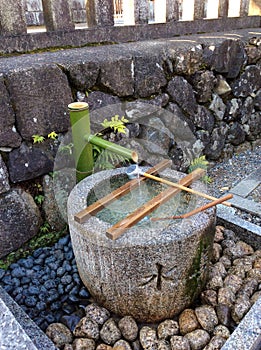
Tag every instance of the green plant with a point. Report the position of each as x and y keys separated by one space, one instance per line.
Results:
x=105 y=159
x=38 y=138
x=39 y=199
x=67 y=148
x=45 y=227
x=42 y=239
x=202 y=163
x=118 y=125
x=52 y=135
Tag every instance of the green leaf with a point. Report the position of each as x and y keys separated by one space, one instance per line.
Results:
x=38 y=138
x=118 y=125
x=199 y=162
x=202 y=163
x=52 y=135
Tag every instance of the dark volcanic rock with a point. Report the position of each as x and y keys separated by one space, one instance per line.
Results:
x=8 y=135
x=19 y=220
x=82 y=75
x=98 y=99
x=228 y=58
x=26 y=163
x=248 y=82
x=181 y=92
x=149 y=76
x=4 y=182
x=236 y=134
x=217 y=141
x=40 y=96
x=203 y=119
x=118 y=76
x=203 y=83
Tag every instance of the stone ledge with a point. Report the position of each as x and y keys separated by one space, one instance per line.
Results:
x=247 y=335
x=18 y=329
x=248 y=232
x=246 y=205
x=116 y=34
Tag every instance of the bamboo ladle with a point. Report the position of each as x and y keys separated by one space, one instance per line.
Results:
x=137 y=171
x=195 y=211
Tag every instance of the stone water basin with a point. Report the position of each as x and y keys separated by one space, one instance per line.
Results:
x=153 y=271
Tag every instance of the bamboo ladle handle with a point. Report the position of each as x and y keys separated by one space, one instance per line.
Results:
x=184 y=188
x=197 y=210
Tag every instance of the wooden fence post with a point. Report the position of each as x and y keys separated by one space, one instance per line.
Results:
x=244 y=8
x=57 y=15
x=223 y=8
x=99 y=13
x=141 y=11
x=172 y=10
x=199 y=9
x=12 y=17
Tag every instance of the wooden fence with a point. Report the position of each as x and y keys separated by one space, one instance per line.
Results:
x=138 y=19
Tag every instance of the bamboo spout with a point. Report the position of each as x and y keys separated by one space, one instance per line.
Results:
x=125 y=152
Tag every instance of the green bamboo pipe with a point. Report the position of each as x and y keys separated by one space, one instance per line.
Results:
x=100 y=142
x=80 y=123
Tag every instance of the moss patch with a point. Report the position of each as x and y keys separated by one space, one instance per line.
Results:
x=42 y=239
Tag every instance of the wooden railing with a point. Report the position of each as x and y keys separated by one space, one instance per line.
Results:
x=139 y=19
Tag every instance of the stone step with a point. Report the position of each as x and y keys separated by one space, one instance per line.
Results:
x=246 y=186
x=247 y=205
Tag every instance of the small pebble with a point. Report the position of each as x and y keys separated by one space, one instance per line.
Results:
x=103 y=347
x=207 y=317
x=198 y=339
x=233 y=282
x=122 y=345
x=97 y=313
x=59 y=334
x=83 y=344
x=87 y=328
x=148 y=338
x=188 y=321
x=221 y=331
x=224 y=314
x=226 y=296
x=109 y=332
x=167 y=329
x=163 y=345
x=241 y=307
x=128 y=327
x=215 y=343
x=178 y=342
x=209 y=296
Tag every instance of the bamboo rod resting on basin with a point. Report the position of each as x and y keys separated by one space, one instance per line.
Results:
x=125 y=152
x=197 y=210
x=92 y=209
x=120 y=227
x=181 y=187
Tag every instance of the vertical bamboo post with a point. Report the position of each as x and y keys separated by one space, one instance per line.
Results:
x=80 y=123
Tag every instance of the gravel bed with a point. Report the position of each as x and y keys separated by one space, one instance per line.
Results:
x=47 y=286
x=228 y=173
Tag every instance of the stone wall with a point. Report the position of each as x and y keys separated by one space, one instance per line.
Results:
x=211 y=85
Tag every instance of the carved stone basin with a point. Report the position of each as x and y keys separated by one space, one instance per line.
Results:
x=153 y=271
